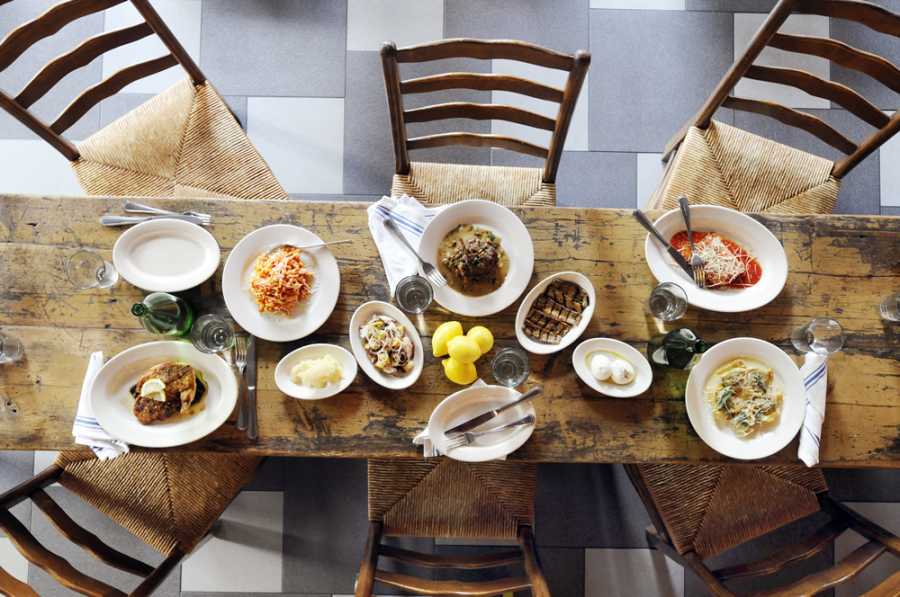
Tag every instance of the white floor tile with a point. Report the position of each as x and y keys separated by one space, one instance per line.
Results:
x=181 y=16
x=12 y=561
x=888 y=516
x=302 y=139
x=628 y=572
x=639 y=4
x=649 y=172
x=577 y=139
x=746 y=25
x=34 y=167
x=406 y=22
x=43 y=459
x=245 y=553
x=890 y=172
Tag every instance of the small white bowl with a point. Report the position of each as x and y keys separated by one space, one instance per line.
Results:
x=315 y=351
x=359 y=319
x=643 y=373
x=536 y=347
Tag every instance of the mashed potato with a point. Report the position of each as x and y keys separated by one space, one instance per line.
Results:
x=316 y=373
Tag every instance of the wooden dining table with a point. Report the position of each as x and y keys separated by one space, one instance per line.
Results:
x=840 y=266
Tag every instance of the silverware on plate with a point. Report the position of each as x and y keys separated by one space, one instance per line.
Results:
x=132 y=220
x=139 y=208
x=487 y=416
x=312 y=246
x=240 y=361
x=431 y=272
x=469 y=437
x=697 y=267
x=252 y=428
x=676 y=255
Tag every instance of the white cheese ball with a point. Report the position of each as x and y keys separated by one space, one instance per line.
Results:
x=600 y=366
x=622 y=371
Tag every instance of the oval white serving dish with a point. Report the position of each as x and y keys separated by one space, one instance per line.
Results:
x=643 y=372
x=536 y=347
x=360 y=317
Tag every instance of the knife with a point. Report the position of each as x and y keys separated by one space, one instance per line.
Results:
x=487 y=416
x=250 y=374
x=678 y=257
x=131 y=220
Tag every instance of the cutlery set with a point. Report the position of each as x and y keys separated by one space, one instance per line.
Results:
x=693 y=268
x=465 y=434
x=244 y=354
x=153 y=213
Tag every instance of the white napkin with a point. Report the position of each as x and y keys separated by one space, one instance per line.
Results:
x=86 y=429
x=411 y=218
x=815 y=379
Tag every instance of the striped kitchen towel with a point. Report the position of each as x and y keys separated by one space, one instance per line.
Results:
x=411 y=218
x=86 y=429
x=815 y=379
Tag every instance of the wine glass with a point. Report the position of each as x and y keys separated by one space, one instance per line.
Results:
x=86 y=269
x=822 y=336
x=890 y=307
x=668 y=302
x=10 y=349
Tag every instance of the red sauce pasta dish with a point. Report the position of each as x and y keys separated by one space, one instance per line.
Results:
x=280 y=280
x=726 y=264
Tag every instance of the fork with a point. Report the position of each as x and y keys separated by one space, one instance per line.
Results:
x=140 y=208
x=469 y=437
x=697 y=266
x=431 y=272
x=240 y=361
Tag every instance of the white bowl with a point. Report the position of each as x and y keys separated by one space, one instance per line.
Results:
x=359 y=319
x=514 y=239
x=536 y=347
x=315 y=351
x=643 y=372
x=755 y=238
x=765 y=441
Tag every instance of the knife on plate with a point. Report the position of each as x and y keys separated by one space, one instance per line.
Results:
x=252 y=429
x=676 y=255
x=487 y=416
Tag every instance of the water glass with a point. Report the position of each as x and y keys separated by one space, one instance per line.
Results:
x=86 y=269
x=510 y=367
x=668 y=302
x=212 y=334
x=890 y=308
x=413 y=294
x=10 y=349
x=821 y=335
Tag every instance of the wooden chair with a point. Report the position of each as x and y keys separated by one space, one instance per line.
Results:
x=446 y=498
x=701 y=511
x=720 y=164
x=447 y=183
x=183 y=142
x=168 y=500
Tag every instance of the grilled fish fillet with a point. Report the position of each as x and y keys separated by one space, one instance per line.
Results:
x=181 y=390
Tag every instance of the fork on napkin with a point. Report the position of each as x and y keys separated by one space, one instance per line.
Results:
x=86 y=429
x=815 y=380
x=411 y=217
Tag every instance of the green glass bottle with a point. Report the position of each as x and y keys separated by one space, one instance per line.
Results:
x=679 y=349
x=164 y=314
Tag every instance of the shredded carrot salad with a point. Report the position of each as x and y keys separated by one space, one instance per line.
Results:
x=280 y=281
x=726 y=264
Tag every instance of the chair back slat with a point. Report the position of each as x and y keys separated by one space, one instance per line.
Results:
x=427 y=560
x=477 y=140
x=871 y=15
x=422 y=586
x=481 y=82
x=844 y=570
x=485 y=49
x=479 y=112
x=10 y=585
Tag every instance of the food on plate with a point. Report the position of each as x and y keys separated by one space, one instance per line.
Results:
x=726 y=264
x=483 y=336
x=459 y=372
x=555 y=312
x=387 y=345
x=473 y=260
x=317 y=372
x=610 y=367
x=743 y=393
x=280 y=280
x=442 y=335
x=464 y=349
x=165 y=390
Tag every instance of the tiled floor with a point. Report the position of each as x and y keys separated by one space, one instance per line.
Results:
x=304 y=78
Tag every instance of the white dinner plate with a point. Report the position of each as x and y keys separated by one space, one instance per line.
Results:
x=755 y=238
x=359 y=319
x=112 y=402
x=310 y=314
x=643 y=372
x=772 y=437
x=166 y=255
x=536 y=347
x=514 y=239
x=315 y=351
x=471 y=402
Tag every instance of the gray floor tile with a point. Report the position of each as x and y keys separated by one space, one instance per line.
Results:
x=644 y=86
x=731 y=5
x=864 y=485
x=368 y=148
x=275 y=47
x=15 y=468
x=270 y=475
x=559 y=24
x=14 y=78
x=890 y=211
x=564 y=569
x=860 y=190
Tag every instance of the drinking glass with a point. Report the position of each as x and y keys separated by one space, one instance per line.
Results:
x=821 y=335
x=10 y=349
x=86 y=269
x=890 y=307
x=414 y=294
x=212 y=334
x=510 y=367
x=668 y=302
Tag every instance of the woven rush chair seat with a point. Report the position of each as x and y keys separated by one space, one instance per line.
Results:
x=439 y=184
x=727 y=166
x=184 y=142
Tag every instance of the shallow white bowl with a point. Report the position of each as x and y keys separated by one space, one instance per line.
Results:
x=359 y=319
x=514 y=239
x=166 y=255
x=112 y=403
x=720 y=437
x=734 y=225
x=643 y=372
x=539 y=347
x=315 y=351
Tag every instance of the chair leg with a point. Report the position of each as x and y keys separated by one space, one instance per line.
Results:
x=533 y=571
x=365 y=581
x=689 y=560
x=157 y=576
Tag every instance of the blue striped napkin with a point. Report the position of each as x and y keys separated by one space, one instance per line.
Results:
x=86 y=429
x=815 y=379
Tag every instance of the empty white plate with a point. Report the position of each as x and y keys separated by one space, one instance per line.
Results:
x=315 y=351
x=536 y=347
x=359 y=319
x=613 y=348
x=166 y=255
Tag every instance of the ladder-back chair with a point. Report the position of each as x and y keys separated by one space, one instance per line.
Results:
x=447 y=183
x=701 y=511
x=184 y=142
x=720 y=164
x=445 y=498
